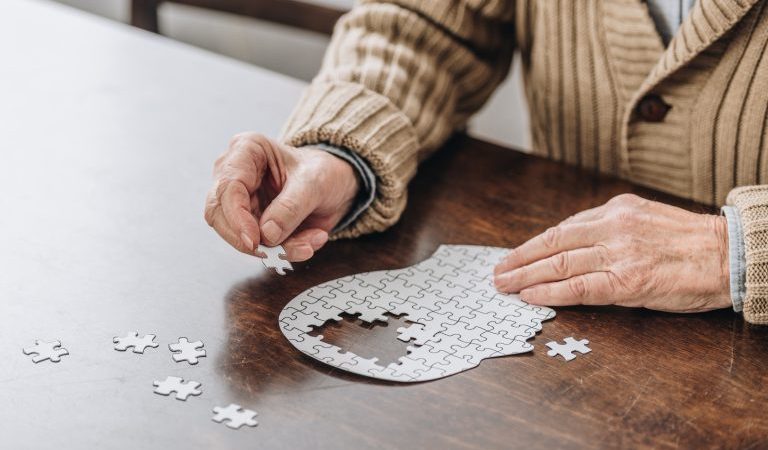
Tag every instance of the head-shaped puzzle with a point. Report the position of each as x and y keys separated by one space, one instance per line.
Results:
x=456 y=316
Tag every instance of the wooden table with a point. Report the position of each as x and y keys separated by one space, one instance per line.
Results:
x=107 y=136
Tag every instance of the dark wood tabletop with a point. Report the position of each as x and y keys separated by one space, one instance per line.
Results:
x=103 y=182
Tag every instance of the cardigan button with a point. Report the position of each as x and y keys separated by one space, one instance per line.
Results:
x=652 y=108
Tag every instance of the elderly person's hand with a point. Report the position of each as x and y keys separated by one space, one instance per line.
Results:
x=629 y=252
x=271 y=193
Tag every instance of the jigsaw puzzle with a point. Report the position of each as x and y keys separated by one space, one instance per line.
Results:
x=456 y=316
x=42 y=350
x=187 y=351
x=566 y=350
x=132 y=340
x=272 y=258
x=177 y=385
x=235 y=416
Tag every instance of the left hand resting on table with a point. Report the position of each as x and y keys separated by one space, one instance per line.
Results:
x=628 y=252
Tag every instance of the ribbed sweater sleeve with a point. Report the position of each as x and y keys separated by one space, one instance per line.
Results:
x=752 y=205
x=397 y=79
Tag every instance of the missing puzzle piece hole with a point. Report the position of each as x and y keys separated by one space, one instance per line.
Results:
x=367 y=340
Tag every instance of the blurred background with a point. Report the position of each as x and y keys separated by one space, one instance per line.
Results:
x=289 y=37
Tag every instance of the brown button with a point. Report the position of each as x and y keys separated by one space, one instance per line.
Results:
x=652 y=108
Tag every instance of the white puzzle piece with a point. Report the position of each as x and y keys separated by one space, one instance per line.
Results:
x=566 y=350
x=177 y=385
x=457 y=316
x=132 y=340
x=42 y=350
x=272 y=258
x=183 y=350
x=234 y=416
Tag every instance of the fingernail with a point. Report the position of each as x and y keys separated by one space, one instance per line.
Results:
x=247 y=241
x=271 y=232
x=528 y=295
x=501 y=279
x=319 y=240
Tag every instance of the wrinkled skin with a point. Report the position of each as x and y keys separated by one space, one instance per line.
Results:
x=629 y=252
x=270 y=193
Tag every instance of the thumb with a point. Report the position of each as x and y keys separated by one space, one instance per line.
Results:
x=287 y=211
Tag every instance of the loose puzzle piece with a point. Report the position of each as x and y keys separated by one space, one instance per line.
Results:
x=177 y=385
x=272 y=258
x=187 y=351
x=42 y=350
x=235 y=416
x=566 y=350
x=456 y=316
x=139 y=344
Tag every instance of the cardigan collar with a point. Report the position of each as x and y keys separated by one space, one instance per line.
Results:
x=708 y=21
x=639 y=59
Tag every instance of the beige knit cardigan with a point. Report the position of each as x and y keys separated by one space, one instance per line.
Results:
x=400 y=76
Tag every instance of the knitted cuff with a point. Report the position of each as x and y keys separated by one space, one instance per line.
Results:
x=752 y=204
x=367 y=178
x=349 y=116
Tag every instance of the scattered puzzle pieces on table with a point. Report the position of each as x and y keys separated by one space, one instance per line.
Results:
x=567 y=349
x=456 y=316
x=272 y=258
x=187 y=351
x=132 y=340
x=177 y=385
x=235 y=416
x=42 y=350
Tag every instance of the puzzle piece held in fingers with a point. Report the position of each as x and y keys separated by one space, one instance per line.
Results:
x=272 y=258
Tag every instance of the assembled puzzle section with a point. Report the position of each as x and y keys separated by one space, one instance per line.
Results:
x=456 y=316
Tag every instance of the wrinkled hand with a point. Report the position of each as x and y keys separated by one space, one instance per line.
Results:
x=629 y=252
x=271 y=193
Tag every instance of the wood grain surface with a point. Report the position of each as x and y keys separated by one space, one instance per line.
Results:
x=653 y=379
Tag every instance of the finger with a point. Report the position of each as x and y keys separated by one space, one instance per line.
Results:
x=247 y=161
x=558 y=267
x=236 y=207
x=303 y=245
x=286 y=212
x=239 y=173
x=595 y=288
x=214 y=216
x=553 y=241
x=219 y=223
